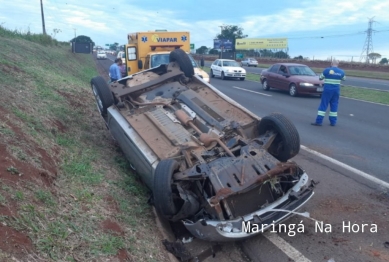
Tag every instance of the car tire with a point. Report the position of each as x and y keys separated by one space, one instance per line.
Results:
x=211 y=73
x=265 y=86
x=102 y=93
x=163 y=193
x=223 y=76
x=287 y=142
x=293 y=90
x=186 y=66
x=241 y=79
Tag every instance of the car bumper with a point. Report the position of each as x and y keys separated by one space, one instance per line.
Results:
x=232 y=230
x=310 y=90
x=237 y=75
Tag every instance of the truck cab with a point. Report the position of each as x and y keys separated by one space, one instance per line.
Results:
x=147 y=50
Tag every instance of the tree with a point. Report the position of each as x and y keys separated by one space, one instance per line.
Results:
x=202 y=50
x=374 y=57
x=114 y=46
x=384 y=61
x=298 y=57
x=213 y=52
x=231 y=32
x=281 y=54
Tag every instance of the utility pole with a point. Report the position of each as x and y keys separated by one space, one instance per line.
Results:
x=74 y=32
x=368 y=46
x=221 y=41
x=43 y=19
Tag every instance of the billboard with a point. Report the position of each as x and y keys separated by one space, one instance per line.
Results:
x=219 y=43
x=261 y=43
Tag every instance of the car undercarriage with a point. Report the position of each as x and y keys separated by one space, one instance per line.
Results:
x=214 y=164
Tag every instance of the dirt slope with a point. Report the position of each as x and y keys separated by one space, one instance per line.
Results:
x=66 y=193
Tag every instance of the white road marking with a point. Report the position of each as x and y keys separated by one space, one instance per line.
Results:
x=347 y=167
x=251 y=91
x=285 y=247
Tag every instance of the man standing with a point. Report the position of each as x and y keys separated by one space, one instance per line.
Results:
x=202 y=62
x=332 y=77
x=114 y=70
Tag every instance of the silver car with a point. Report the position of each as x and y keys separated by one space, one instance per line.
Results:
x=249 y=62
x=208 y=161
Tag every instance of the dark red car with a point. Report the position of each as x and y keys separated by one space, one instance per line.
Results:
x=296 y=78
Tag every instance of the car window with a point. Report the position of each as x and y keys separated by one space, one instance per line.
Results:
x=230 y=64
x=159 y=59
x=219 y=64
x=283 y=70
x=193 y=61
x=274 y=68
x=216 y=62
x=301 y=70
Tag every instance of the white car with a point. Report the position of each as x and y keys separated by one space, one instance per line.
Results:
x=101 y=55
x=122 y=55
x=249 y=62
x=225 y=68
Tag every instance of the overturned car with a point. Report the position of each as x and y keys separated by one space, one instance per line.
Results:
x=208 y=161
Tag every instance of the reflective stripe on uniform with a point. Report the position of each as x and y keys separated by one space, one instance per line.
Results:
x=332 y=81
x=321 y=113
x=333 y=114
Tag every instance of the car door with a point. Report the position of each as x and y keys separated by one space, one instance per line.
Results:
x=284 y=77
x=214 y=67
x=220 y=67
x=272 y=75
x=244 y=62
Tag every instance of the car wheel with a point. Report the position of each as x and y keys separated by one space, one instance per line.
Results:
x=241 y=79
x=222 y=76
x=287 y=141
x=186 y=66
x=211 y=73
x=166 y=198
x=265 y=86
x=102 y=93
x=293 y=90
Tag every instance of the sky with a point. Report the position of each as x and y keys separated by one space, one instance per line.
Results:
x=314 y=29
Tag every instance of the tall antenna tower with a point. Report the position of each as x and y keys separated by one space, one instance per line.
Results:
x=368 y=46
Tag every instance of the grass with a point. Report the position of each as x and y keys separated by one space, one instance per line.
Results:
x=47 y=105
x=365 y=94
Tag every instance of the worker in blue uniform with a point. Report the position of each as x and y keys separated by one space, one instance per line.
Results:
x=331 y=92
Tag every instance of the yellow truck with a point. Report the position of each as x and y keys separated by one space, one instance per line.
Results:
x=150 y=49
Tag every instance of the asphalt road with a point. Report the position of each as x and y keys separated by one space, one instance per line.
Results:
x=361 y=141
x=350 y=81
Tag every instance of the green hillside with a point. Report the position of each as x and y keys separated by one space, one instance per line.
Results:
x=66 y=192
